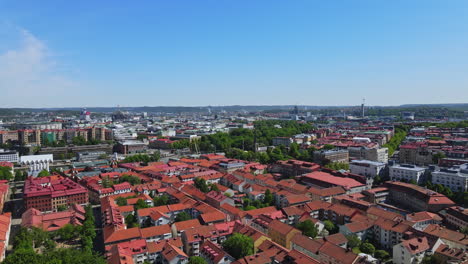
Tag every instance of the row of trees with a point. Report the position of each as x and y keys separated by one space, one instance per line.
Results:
x=337 y=166
x=459 y=197
x=358 y=246
x=394 y=143
x=143 y=158
x=244 y=139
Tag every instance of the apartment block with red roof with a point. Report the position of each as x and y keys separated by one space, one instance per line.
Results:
x=282 y=233
x=48 y=193
x=417 y=198
x=414 y=249
x=53 y=221
x=321 y=179
x=214 y=254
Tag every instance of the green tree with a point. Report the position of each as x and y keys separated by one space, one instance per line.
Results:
x=43 y=173
x=438 y=156
x=308 y=228
x=294 y=150
x=268 y=199
x=133 y=180
x=464 y=231
x=353 y=241
x=214 y=187
x=328 y=147
x=79 y=141
x=19 y=176
x=367 y=248
x=330 y=227
x=140 y=204
x=200 y=184
x=433 y=259
x=196 y=260
x=62 y=208
x=249 y=207
x=67 y=232
x=121 y=201
x=239 y=245
x=161 y=200
x=131 y=221
x=5 y=173
x=337 y=166
x=382 y=254
x=182 y=217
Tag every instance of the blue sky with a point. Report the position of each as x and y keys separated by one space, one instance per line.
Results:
x=220 y=52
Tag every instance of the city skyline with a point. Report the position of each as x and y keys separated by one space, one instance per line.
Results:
x=225 y=53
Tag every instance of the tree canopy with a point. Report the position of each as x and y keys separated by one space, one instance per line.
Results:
x=308 y=228
x=196 y=260
x=5 y=173
x=43 y=173
x=239 y=245
x=182 y=217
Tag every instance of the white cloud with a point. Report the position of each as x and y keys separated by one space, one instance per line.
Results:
x=29 y=75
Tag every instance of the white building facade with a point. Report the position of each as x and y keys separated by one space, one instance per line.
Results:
x=36 y=163
x=366 y=168
x=456 y=178
x=407 y=173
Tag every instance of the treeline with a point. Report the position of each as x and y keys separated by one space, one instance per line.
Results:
x=398 y=137
x=143 y=158
x=461 y=124
x=244 y=139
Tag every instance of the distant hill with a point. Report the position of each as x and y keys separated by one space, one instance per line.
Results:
x=230 y=108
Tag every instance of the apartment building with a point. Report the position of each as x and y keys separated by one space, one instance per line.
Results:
x=49 y=193
x=407 y=173
x=456 y=178
x=367 y=168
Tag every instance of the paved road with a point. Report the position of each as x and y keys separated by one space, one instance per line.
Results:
x=14 y=204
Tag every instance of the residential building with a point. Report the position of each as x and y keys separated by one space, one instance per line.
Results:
x=417 y=198
x=293 y=167
x=456 y=216
x=282 y=233
x=451 y=238
x=329 y=156
x=131 y=147
x=365 y=153
x=413 y=250
x=52 y=221
x=407 y=173
x=9 y=156
x=49 y=193
x=367 y=168
x=213 y=254
x=320 y=179
x=456 y=178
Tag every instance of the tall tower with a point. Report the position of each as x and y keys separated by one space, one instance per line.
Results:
x=362 y=107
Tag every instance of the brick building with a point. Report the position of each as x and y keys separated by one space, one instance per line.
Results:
x=48 y=193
